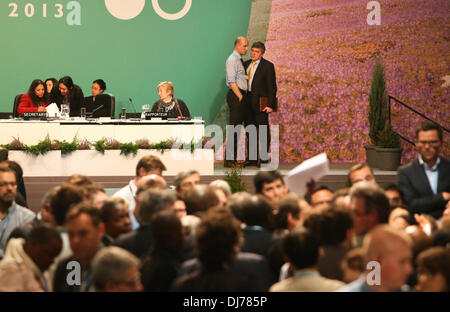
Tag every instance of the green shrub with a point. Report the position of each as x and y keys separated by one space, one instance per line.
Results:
x=41 y=148
x=128 y=148
x=234 y=179
x=378 y=102
x=387 y=138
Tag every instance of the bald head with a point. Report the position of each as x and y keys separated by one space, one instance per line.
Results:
x=241 y=45
x=150 y=181
x=240 y=40
x=391 y=250
x=384 y=240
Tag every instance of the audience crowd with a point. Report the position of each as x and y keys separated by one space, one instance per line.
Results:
x=194 y=237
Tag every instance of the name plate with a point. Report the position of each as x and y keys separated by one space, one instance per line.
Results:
x=155 y=116
x=35 y=115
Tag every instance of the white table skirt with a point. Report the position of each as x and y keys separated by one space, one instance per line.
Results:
x=31 y=132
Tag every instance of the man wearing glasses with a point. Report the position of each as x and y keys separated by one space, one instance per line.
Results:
x=426 y=180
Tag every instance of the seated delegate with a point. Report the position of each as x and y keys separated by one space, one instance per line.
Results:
x=35 y=100
x=99 y=104
x=168 y=103
x=70 y=94
x=52 y=90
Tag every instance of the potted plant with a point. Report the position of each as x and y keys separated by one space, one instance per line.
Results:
x=378 y=101
x=389 y=151
x=235 y=179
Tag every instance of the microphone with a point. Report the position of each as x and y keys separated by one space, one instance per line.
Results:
x=97 y=108
x=131 y=101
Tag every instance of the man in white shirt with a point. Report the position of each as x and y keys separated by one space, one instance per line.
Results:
x=147 y=165
x=236 y=79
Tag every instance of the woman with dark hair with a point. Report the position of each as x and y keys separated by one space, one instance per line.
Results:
x=99 y=104
x=161 y=265
x=98 y=87
x=218 y=238
x=51 y=85
x=71 y=94
x=35 y=100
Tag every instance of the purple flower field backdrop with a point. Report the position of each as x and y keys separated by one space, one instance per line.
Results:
x=324 y=53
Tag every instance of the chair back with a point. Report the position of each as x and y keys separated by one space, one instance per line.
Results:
x=16 y=105
x=113 y=105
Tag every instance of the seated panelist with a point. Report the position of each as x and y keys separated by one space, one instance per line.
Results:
x=99 y=104
x=35 y=100
x=168 y=103
x=70 y=94
x=52 y=89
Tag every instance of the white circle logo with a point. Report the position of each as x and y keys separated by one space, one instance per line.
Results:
x=174 y=16
x=125 y=9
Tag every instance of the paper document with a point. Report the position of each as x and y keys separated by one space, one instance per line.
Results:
x=53 y=110
x=313 y=168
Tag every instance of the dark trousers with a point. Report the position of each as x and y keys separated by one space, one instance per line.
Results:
x=257 y=118
x=236 y=119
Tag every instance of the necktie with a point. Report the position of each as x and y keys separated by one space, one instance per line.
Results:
x=250 y=72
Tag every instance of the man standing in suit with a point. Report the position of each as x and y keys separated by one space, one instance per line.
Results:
x=262 y=88
x=236 y=80
x=426 y=180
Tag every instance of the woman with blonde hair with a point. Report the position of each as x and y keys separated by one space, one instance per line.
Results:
x=175 y=108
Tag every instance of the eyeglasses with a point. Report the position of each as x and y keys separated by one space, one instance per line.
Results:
x=434 y=142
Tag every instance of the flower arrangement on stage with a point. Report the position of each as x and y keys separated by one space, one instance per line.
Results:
x=126 y=148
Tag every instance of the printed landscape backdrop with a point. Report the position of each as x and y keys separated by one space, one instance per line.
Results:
x=324 y=52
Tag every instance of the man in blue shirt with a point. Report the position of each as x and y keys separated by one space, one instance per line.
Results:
x=11 y=214
x=426 y=180
x=236 y=79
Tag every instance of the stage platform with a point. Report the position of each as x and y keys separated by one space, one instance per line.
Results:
x=37 y=186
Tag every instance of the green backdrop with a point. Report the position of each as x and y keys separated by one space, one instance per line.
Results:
x=132 y=56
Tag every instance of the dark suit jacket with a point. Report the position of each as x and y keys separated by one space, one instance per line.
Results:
x=212 y=281
x=264 y=84
x=101 y=99
x=60 y=279
x=76 y=100
x=173 y=113
x=159 y=269
x=250 y=265
x=419 y=197
x=137 y=242
x=257 y=241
